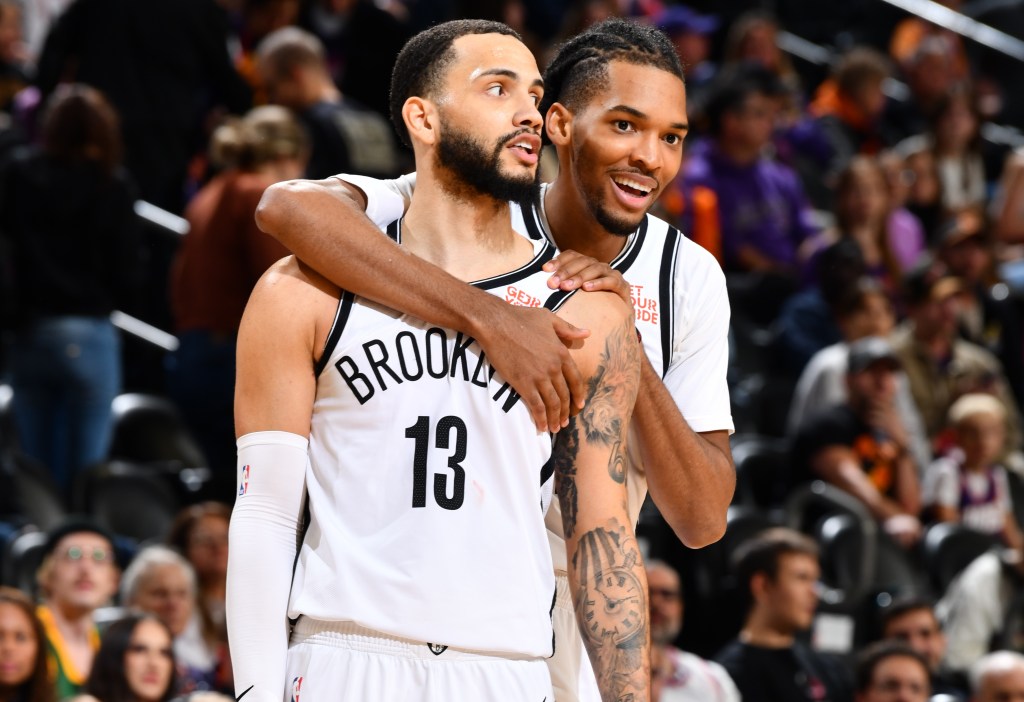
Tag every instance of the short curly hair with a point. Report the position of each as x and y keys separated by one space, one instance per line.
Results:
x=421 y=64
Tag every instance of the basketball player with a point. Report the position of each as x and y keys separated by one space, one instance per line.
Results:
x=402 y=591
x=617 y=117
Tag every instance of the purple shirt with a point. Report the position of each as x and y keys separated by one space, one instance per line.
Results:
x=761 y=204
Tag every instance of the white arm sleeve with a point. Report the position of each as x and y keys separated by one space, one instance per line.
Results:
x=262 y=544
x=386 y=200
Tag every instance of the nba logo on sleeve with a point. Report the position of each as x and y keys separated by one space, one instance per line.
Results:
x=243 y=486
x=296 y=688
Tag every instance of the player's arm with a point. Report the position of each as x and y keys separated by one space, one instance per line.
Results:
x=606 y=571
x=274 y=392
x=324 y=222
x=690 y=473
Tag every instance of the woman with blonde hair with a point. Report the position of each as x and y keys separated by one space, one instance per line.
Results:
x=222 y=257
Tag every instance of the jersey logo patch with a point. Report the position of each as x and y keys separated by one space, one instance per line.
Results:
x=243 y=487
x=437 y=649
x=296 y=688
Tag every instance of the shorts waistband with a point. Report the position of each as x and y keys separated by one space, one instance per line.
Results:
x=352 y=636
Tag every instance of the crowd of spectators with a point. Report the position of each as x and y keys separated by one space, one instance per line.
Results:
x=864 y=195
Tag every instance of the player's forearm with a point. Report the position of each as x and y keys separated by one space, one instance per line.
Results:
x=326 y=226
x=690 y=479
x=606 y=572
x=262 y=539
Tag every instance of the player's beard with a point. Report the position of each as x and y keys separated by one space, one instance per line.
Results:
x=476 y=169
x=594 y=198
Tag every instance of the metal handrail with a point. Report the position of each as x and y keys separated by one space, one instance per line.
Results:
x=963 y=25
x=169 y=223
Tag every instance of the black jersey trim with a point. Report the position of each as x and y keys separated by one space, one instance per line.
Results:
x=558 y=298
x=340 y=320
x=667 y=283
x=627 y=257
x=531 y=216
x=546 y=253
x=551 y=617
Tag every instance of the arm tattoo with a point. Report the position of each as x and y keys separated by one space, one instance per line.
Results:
x=612 y=608
x=614 y=380
x=563 y=458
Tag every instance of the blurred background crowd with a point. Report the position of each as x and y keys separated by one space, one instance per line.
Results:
x=857 y=168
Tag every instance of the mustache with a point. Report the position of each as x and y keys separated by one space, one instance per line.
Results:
x=503 y=140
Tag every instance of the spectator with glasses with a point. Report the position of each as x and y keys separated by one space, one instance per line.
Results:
x=77 y=576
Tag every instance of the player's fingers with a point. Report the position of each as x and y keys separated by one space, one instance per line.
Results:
x=561 y=388
x=538 y=410
x=574 y=381
x=568 y=332
x=553 y=403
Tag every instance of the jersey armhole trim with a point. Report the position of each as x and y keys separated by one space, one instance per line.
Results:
x=667 y=284
x=340 y=319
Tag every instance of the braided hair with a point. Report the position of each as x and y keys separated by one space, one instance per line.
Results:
x=421 y=64
x=580 y=67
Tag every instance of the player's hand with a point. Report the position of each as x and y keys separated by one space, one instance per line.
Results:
x=571 y=270
x=529 y=347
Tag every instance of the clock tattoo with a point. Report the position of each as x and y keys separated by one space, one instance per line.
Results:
x=615 y=607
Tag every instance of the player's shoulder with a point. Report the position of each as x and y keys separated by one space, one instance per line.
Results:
x=601 y=312
x=290 y=288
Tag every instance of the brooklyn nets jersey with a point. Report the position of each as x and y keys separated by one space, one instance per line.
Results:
x=428 y=483
x=682 y=314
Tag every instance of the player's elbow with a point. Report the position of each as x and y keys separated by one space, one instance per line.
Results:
x=703 y=532
x=275 y=205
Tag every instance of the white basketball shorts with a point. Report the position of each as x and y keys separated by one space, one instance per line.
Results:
x=343 y=662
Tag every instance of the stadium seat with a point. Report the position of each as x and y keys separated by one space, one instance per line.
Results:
x=948 y=549
x=128 y=499
x=149 y=431
x=22 y=556
x=763 y=475
x=36 y=499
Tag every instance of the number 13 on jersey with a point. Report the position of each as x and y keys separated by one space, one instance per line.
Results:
x=420 y=433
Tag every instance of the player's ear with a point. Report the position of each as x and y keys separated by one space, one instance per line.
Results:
x=558 y=124
x=420 y=116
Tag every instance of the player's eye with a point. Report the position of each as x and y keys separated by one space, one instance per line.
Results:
x=624 y=125
x=496 y=89
x=673 y=139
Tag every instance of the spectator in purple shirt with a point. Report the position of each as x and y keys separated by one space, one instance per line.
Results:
x=764 y=214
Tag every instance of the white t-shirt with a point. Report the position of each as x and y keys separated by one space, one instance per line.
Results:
x=981 y=497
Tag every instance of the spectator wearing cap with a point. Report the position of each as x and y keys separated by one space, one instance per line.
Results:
x=863 y=311
x=939 y=364
x=861 y=445
x=691 y=34
x=77 y=576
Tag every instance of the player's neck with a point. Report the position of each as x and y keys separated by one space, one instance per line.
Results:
x=573 y=225
x=467 y=234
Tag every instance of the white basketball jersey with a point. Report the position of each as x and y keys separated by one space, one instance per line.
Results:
x=428 y=483
x=648 y=261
